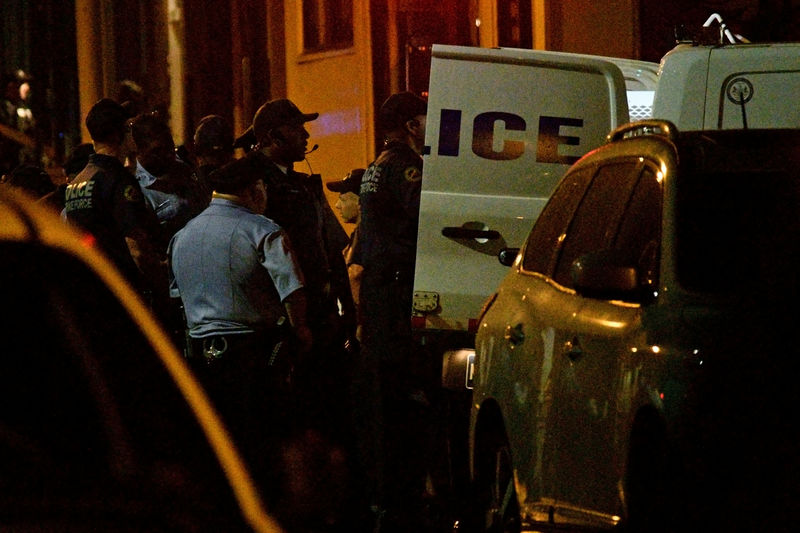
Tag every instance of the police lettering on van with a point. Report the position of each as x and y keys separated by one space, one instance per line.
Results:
x=484 y=139
x=503 y=126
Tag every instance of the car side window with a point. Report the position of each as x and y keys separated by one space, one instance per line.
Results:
x=547 y=236
x=639 y=237
x=596 y=222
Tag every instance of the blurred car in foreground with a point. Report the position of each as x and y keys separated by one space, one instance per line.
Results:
x=633 y=369
x=102 y=425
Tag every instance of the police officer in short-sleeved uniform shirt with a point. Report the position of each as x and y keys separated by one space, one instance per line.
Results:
x=240 y=285
x=105 y=199
x=387 y=382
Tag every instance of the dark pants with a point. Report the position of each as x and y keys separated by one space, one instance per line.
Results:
x=251 y=395
x=391 y=414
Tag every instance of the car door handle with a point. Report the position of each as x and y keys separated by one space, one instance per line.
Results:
x=454 y=232
x=514 y=335
x=573 y=350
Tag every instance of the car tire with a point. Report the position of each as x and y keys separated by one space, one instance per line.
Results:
x=496 y=508
x=648 y=498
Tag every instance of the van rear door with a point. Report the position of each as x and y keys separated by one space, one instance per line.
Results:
x=503 y=125
x=753 y=86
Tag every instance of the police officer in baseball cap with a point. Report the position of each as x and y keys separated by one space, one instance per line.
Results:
x=235 y=272
x=389 y=198
x=297 y=202
x=213 y=146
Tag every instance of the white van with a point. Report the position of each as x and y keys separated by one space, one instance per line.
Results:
x=503 y=126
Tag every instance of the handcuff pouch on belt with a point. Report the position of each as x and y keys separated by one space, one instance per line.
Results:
x=214 y=348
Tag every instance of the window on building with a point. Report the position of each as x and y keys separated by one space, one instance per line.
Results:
x=514 y=24
x=327 y=25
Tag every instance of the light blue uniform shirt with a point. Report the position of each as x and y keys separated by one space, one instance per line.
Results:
x=232 y=269
x=166 y=205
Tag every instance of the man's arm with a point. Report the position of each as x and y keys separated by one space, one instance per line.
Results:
x=148 y=260
x=295 y=305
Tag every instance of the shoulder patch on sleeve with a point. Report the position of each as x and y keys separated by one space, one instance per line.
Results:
x=132 y=193
x=412 y=174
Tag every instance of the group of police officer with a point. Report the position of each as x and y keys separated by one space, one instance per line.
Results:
x=269 y=312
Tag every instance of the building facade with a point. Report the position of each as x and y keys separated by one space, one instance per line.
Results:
x=340 y=58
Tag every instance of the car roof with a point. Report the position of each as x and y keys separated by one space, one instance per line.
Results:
x=23 y=220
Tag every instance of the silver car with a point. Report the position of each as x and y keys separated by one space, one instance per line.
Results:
x=633 y=368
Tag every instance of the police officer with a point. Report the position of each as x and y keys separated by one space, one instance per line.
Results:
x=213 y=146
x=297 y=202
x=105 y=200
x=390 y=389
x=237 y=277
x=168 y=184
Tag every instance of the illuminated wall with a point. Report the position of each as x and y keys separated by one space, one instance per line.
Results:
x=330 y=73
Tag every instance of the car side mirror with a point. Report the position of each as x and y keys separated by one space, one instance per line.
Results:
x=507 y=256
x=606 y=275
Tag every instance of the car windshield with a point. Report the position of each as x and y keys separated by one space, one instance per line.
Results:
x=738 y=218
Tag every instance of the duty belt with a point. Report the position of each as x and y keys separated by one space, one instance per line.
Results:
x=215 y=347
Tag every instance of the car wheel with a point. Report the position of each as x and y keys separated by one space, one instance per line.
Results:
x=496 y=507
x=647 y=495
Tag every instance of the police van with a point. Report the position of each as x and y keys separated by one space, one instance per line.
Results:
x=504 y=125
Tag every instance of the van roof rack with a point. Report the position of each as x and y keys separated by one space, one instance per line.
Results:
x=642 y=128
x=708 y=34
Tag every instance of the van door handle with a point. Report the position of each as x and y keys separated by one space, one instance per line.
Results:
x=573 y=350
x=454 y=232
x=514 y=335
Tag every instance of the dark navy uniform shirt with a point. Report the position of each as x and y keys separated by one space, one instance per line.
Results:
x=296 y=202
x=105 y=200
x=389 y=199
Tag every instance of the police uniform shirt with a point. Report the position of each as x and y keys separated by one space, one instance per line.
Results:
x=173 y=202
x=232 y=269
x=167 y=205
x=105 y=200
x=296 y=202
x=389 y=199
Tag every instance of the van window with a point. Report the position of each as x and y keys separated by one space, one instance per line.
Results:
x=597 y=220
x=547 y=235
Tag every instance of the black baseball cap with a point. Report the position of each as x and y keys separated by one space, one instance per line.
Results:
x=399 y=108
x=105 y=119
x=213 y=134
x=350 y=183
x=236 y=175
x=276 y=113
x=246 y=140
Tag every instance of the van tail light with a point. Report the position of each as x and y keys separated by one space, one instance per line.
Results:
x=418 y=322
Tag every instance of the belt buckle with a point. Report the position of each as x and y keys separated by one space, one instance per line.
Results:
x=210 y=351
